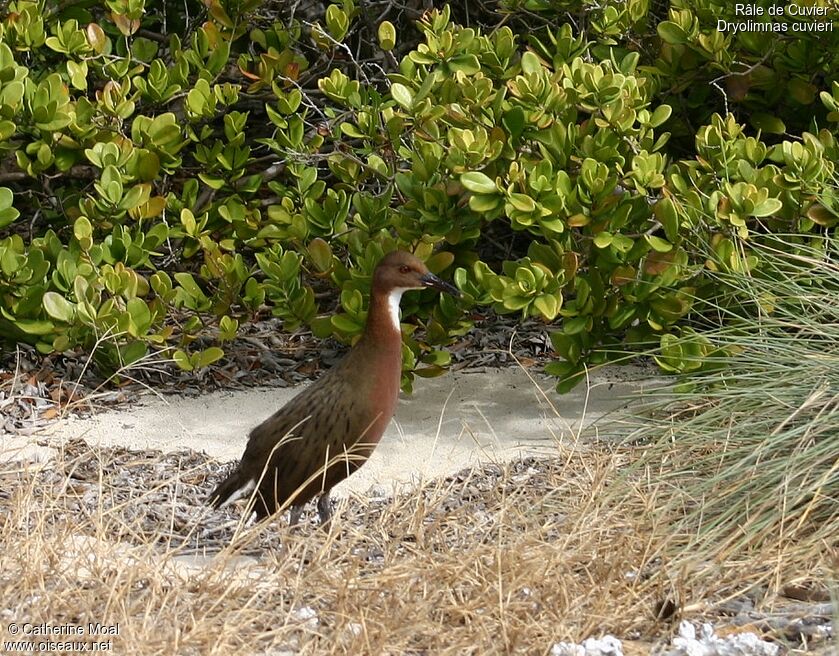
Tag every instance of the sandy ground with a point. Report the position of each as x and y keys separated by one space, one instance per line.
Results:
x=447 y=423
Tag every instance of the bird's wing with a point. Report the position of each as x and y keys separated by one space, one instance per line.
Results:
x=313 y=413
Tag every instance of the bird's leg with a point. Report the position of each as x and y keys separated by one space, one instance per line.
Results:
x=324 y=509
x=294 y=515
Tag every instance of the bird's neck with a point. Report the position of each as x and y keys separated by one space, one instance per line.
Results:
x=376 y=360
x=383 y=327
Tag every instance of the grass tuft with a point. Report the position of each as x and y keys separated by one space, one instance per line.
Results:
x=743 y=460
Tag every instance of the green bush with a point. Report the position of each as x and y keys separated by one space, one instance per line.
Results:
x=164 y=188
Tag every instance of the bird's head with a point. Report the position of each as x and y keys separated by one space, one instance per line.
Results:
x=399 y=270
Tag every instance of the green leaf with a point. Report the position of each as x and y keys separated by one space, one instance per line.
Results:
x=228 y=327
x=134 y=352
x=77 y=74
x=768 y=207
x=466 y=63
x=140 y=317
x=430 y=372
x=8 y=214
x=321 y=255
x=402 y=94
x=547 y=305
x=530 y=63
x=622 y=243
x=182 y=360
x=514 y=120
x=801 y=91
x=570 y=375
x=58 y=307
x=603 y=239
x=665 y=212
x=187 y=282
x=437 y=357
x=345 y=325
x=35 y=327
x=439 y=262
x=567 y=346
x=622 y=317
x=387 y=36
x=7 y=129
x=483 y=203
x=478 y=183
x=337 y=22
x=522 y=202
x=672 y=33
x=211 y=181
x=208 y=356
x=352 y=131
x=143 y=49
x=321 y=327
x=82 y=228
x=148 y=166
x=658 y=244
x=767 y=123
x=575 y=325
x=660 y=115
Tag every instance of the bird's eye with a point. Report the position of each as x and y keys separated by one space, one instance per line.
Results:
x=404 y=269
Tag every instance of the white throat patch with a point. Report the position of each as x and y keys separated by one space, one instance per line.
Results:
x=393 y=300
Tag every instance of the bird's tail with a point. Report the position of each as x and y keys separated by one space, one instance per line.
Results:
x=234 y=487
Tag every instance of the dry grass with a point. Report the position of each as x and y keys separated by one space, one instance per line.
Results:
x=509 y=559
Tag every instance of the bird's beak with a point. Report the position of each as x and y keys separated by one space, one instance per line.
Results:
x=430 y=280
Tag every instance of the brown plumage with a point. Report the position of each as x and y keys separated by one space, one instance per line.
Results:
x=330 y=429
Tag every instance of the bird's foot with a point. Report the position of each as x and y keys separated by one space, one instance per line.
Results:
x=324 y=510
x=294 y=516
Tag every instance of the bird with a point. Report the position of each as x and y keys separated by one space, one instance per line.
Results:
x=330 y=429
